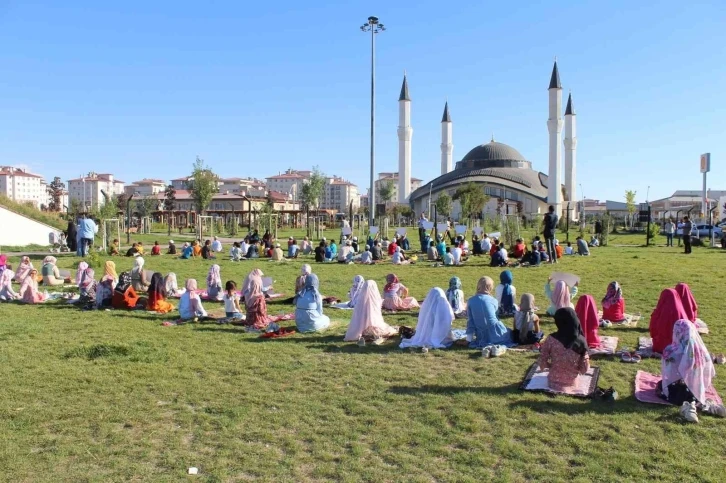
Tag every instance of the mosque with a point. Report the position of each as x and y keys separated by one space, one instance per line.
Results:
x=500 y=169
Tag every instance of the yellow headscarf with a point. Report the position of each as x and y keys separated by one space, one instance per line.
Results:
x=110 y=270
x=485 y=286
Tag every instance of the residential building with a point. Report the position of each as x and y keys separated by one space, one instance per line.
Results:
x=145 y=187
x=182 y=183
x=338 y=193
x=393 y=178
x=246 y=186
x=22 y=186
x=291 y=181
x=89 y=190
x=683 y=201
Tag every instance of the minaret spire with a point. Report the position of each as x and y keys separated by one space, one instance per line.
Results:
x=447 y=147
x=569 y=110
x=555 y=79
x=404 y=90
x=405 y=133
x=571 y=155
x=446 y=117
x=554 y=127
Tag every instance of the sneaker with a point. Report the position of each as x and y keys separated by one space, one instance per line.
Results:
x=714 y=409
x=498 y=350
x=486 y=352
x=688 y=412
x=361 y=342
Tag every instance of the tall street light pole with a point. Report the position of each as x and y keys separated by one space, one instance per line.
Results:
x=374 y=27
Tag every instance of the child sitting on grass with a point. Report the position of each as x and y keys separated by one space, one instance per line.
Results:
x=190 y=305
x=214 y=283
x=526 y=322
x=113 y=248
x=232 y=308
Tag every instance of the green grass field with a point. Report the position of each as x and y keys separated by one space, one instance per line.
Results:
x=115 y=396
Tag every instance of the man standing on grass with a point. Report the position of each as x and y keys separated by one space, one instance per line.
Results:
x=670 y=230
x=687 y=227
x=86 y=231
x=550 y=226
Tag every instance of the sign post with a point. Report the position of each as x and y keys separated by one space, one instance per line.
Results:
x=705 y=168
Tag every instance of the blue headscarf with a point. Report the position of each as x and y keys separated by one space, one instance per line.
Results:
x=453 y=295
x=506 y=280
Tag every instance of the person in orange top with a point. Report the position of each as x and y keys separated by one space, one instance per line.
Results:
x=157 y=295
x=196 y=249
x=558 y=249
x=124 y=296
x=156 y=249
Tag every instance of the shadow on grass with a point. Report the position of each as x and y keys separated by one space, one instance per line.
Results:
x=437 y=389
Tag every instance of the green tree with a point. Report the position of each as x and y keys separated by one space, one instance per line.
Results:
x=443 y=204
x=147 y=205
x=204 y=186
x=109 y=209
x=630 y=204
x=55 y=190
x=472 y=199
x=385 y=191
x=169 y=203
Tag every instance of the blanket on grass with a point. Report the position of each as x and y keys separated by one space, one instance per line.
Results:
x=645 y=389
x=585 y=385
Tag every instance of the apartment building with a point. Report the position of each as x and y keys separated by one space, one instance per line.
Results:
x=22 y=186
x=87 y=190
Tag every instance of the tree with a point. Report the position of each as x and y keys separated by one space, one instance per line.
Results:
x=443 y=204
x=55 y=190
x=108 y=210
x=471 y=198
x=147 y=205
x=169 y=203
x=205 y=185
x=312 y=189
x=385 y=191
x=630 y=204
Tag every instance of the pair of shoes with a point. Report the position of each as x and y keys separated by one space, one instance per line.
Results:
x=498 y=350
x=714 y=409
x=632 y=357
x=719 y=359
x=688 y=412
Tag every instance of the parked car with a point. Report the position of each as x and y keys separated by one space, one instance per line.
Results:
x=704 y=231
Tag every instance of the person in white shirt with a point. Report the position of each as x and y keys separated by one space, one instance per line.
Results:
x=366 y=257
x=235 y=253
x=670 y=230
x=456 y=254
x=398 y=257
x=216 y=245
x=569 y=250
x=486 y=244
x=448 y=258
x=504 y=253
x=345 y=254
x=245 y=247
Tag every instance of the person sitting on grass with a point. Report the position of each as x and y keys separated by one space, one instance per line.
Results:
x=87 y=286
x=196 y=249
x=190 y=305
x=186 y=252
x=518 y=249
x=124 y=295
x=687 y=371
x=253 y=251
x=559 y=251
x=309 y=315
x=564 y=353
x=526 y=322
x=367 y=320
x=256 y=305
x=561 y=297
x=113 y=248
x=217 y=245
x=432 y=254
x=156 y=249
x=207 y=252
x=171 y=250
x=667 y=312
x=138 y=276
x=498 y=259
x=277 y=255
x=355 y=290
x=293 y=249
x=494 y=248
x=171 y=286
x=235 y=253
x=455 y=296
x=688 y=301
x=377 y=251
x=366 y=257
x=333 y=250
x=329 y=252
x=50 y=272
x=23 y=269
x=586 y=311
x=613 y=305
x=395 y=295
x=29 y=289
x=483 y=328
x=107 y=285
x=506 y=294
x=582 y=248
x=399 y=258
x=232 y=308
x=544 y=257
x=6 y=286
x=246 y=284
x=448 y=258
x=320 y=252
x=214 y=283
x=306 y=247
x=345 y=255
x=433 y=329
x=157 y=295
x=569 y=250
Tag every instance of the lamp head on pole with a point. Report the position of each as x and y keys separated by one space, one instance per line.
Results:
x=374 y=25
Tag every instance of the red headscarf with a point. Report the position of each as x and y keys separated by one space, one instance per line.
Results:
x=689 y=303
x=587 y=313
x=664 y=316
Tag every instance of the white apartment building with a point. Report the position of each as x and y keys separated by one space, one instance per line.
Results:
x=87 y=189
x=22 y=186
x=393 y=178
x=337 y=192
x=145 y=187
x=290 y=182
x=253 y=188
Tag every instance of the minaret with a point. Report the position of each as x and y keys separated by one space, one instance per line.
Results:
x=447 y=148
x=554 y=126
x=571 y=156
x=405 y=132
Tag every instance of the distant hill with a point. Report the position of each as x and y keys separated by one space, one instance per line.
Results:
x=47 y=217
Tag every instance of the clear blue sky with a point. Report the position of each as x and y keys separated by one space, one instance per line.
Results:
x=140 y=88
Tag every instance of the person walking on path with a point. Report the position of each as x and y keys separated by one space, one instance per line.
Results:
x=687 y=227
x=550 y=226
x=670 y=230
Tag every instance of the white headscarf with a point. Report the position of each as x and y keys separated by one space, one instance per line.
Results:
x=79 y=273
x=138 y=265
x=367 y=317
x=434 y=323
x=171 y=286
x=687 y=358
x=306 y=269
x=214 y=278
x=355 y=290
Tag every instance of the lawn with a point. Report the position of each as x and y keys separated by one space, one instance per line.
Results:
x=115 y=396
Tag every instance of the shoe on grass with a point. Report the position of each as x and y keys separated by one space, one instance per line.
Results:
x=714 y=409
x=688 y=412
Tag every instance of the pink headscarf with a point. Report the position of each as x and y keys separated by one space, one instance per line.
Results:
x=367 y=319
x=29 y=289
x=23 y=269
x=688 y=301
x=79 y=273
x=587 y=313
x=561 y=295
x=687 y=358
x=6 y=279
x=190 y=285
x=213 y=277
x=664 y=316
x=246 y=284
x=255 y=290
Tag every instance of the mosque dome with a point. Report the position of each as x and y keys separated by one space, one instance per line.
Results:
x=493 y=155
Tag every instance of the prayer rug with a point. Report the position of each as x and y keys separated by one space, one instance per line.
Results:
x=645 y=389
x=608 y=344
x=645 y=347
x=631 y=320
x=584 y=386
x=283 y=332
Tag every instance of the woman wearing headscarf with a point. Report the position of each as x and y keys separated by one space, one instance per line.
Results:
x=564 y=352
x=395 y=295
x=71 y=235
x=124 y=295
x=190 y=305
x=506 y=294
x=256 y=305
x=246 y=284
x=455 y=297
x=86 y=285
x=171 y=286
x=29 y=289
x=82 y=266
x=561 y=297
x=356 y=290
x=367 y=320
x=105 y=288
x=687 y=370
x=526 y=322
x=305 y=270
x=23 y=269
x=483 y=328
x=6 y=286
x=434 y=323
x=309 y=315
x=157 y=295
x=688 y=301
x=3 y=263
x=138 y=276
x=668 y=310
x=613 y=305
x=586 y=311
x=214 y=283
x=50 y=272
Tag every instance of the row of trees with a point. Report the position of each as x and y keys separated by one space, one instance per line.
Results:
x=471 y=198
